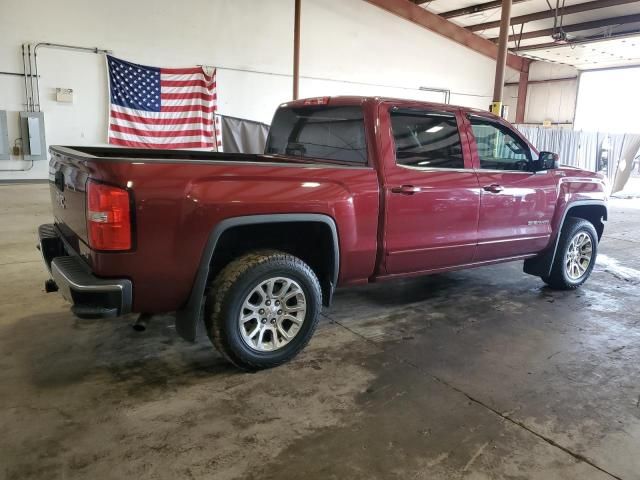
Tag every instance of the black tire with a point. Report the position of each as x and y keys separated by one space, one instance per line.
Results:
x=559 y=279
x=235 y=283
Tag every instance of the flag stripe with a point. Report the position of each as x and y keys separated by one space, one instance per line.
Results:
x=207 y=97
x=186 y=77
x=160 y=140
x=188 y=108
x=161 y=133
x=186 y=101
x=188 y=71
x=178 y=89
x=161 y=121
x=131 y=143
x=187 y=83
x=158 y=116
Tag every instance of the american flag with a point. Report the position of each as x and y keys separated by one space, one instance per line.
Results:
x=162 y=107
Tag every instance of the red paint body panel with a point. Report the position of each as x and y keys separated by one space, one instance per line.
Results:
x=435 y=227
x=450 y=223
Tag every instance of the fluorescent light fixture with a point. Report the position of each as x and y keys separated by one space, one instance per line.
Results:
x=310 y=184
x=435 y=129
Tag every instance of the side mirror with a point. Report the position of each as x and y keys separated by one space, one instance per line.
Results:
x=547 y=161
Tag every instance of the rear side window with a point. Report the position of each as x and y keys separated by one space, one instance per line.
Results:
x=426 y=139
x=331 y=133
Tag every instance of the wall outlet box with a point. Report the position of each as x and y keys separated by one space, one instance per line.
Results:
x=64 y=95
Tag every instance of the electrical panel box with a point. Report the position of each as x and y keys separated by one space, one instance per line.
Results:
x=5 y=148
x=34 y=145
x=64 y=95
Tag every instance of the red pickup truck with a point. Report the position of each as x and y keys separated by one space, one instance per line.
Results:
x=349 y=190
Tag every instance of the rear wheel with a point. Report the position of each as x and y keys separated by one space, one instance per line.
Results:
x=575 y=256
x=262 y=309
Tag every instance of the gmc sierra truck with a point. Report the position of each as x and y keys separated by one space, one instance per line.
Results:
x=350 y=190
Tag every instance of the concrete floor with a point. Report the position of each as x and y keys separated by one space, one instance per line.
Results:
x=482 y=374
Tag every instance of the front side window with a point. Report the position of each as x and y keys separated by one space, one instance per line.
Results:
x=322 y=132
x=498 y=147
x=426 y=139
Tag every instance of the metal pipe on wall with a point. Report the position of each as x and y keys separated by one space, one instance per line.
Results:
x=498 y=86
x=33 y=106
x=446 y=92
x=296 y=50
x=60 y=46
x=24 y=70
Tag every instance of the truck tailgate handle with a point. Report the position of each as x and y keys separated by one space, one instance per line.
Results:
x=493 y=188
x=406 y=189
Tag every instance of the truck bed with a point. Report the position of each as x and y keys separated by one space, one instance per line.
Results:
x=163 y=156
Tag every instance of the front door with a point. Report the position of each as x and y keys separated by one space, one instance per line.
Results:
x=516 y=203
x=431 y=192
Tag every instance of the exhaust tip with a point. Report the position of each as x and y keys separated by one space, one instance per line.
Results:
x=140 y=325
x=50 y=286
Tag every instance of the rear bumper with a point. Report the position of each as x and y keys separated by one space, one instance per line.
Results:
x=90 y=296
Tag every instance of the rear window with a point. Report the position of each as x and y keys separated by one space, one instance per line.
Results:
x=331 y=133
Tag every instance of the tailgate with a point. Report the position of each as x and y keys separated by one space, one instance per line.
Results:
x=67 y=183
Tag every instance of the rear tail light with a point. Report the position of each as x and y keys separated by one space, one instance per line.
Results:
x=108 y=217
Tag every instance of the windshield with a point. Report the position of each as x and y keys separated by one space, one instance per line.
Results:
x=331 y=133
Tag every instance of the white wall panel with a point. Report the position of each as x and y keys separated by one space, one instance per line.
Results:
x=348 y=47
x=554 y=101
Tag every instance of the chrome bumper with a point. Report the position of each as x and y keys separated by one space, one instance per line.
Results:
x=90 y=296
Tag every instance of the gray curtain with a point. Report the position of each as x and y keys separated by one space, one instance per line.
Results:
x=242 y=136
x=582 y=149
x=588 y=150
x=628 y=152
x=578 y=149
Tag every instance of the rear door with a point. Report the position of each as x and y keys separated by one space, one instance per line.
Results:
x=431 y=192
x=516 y=203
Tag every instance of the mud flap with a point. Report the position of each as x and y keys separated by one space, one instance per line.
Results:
x=540 y=265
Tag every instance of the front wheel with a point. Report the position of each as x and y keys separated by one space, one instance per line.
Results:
x=575 y=256
x=262 y=309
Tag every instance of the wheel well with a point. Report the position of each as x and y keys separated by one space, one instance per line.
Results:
x=312 y=242
x=593 y=213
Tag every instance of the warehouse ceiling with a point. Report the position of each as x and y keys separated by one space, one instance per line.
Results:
x=585 y=34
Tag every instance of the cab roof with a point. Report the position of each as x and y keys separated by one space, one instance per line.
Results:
x=359 y=100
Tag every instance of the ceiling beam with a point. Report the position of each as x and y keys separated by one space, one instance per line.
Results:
x=576 y=27
x=582 y=41
x=571 y=9
x=413 y=13
x=481 y=7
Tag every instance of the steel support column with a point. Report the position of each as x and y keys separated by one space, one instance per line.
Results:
x=501 y=61
x=296 y=50
x=523 y=87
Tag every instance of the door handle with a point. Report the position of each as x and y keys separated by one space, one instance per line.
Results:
x=406 y=189
x=493 y=188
